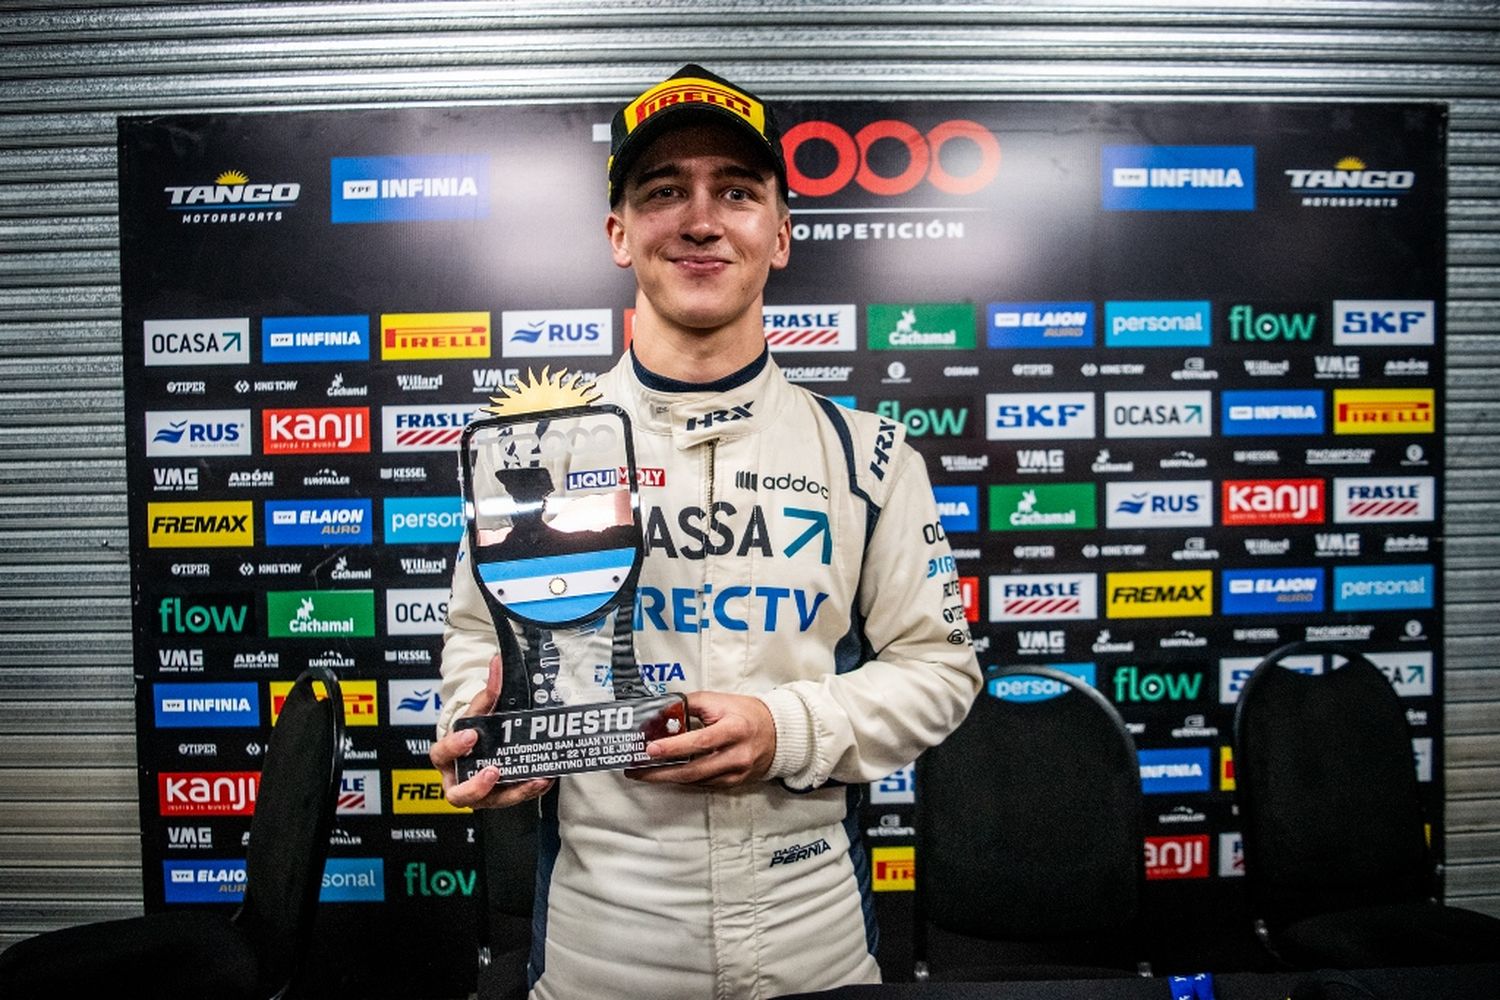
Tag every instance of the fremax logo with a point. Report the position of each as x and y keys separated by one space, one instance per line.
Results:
x=810 y=328
x=1384 y=322
x=1157 y=324
x=1273 y=591
x=408 y=188
x=1167 y=771
x=547 y=333
x=958 y=507
x=1040 y=324
x=1272 y=412
x=184 y=433
x=1026 y=416
x=1383 y=588
x=424 y=520
x=297 y=339
x=1177 y=178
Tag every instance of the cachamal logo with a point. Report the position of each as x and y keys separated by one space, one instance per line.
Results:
x=305 y=614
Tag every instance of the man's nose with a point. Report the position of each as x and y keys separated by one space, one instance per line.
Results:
x=701 y=222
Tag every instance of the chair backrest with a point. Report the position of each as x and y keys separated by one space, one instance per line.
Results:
x=1327 y=788
x=299 y=784
x=1029 y=818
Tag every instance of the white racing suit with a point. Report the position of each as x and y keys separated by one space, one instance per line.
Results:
x=794 y=553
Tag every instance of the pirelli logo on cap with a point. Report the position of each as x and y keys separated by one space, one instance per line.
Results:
x=691 y=90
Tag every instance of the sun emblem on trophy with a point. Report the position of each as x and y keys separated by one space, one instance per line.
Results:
x=548 y=392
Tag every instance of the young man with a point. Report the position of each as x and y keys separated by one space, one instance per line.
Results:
x=795 y=577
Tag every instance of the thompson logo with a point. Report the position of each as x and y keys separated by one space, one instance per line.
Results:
x=1255 y=502
x=1166 y=771
x=1384 y=323
x=1177 y=178
x=1043 y=507
x=197 y=341
x=1166 y=594
x=303 y=614
x=958 y=507
x=319 y=522
x=1158 y=414
x=408 y=188
x=207 y=524
x=194 y=433
x=1271 y=412
x=317 y=431
x=920 y=326
x=546 y=333
x=1273 y=591
x=1382 y=588
x=233 y=198
x=416 y=612
x=810 y=328
x=1040 y=324
x=1029 y=687
x=1027 y=416
x=1376 y=500
x=1250 y=324
x=185 y=706
x=424 y=520
x=1186 y=504
x=1157 y=324
x=1384 y=411
x=423 y=336
x=297 y=339
x=1044 y=597
x=431 y=427
x=1349 y=184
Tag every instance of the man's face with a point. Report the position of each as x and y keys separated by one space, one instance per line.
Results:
x=701 y=222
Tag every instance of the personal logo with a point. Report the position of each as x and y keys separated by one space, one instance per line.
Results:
x=308 y=614
x=1384 y=411
x=367 y=189
x=1027 y=416
x=920 y=326
x=1297 y=590
x=416 y=612
x=1349 y=183
x=424 y=520
x=1031 y=688
x=428 y=427
x=304 y=339
x=1177 y=178
x=810 y=328
x=197 y=433
x=319 y=522
x=1382 y=499
x=1158 y=324
x=1255 y=324
x=1162 y=594
x=1158 y=414
x=1043 y=507
x=316 y=431
x=197 y=341
x=1040 y=324
x=233 y=198
x=1044 y=597
x=945 y=417
x=549 y=333
x=1271 y=413
x=200 y=524
x=209 y=706
x=1383 y=588
x=353 y=880
x=433 y=336
x=1169 y=504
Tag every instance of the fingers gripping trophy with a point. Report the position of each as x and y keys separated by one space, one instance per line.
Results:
x=553 y=521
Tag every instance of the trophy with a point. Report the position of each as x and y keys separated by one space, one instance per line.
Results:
x=553 y=522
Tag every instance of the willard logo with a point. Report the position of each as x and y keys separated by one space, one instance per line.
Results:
x=1171 y=594
x=205 y=524
x=1384 y=411
x=420 y=336
x=321 y=431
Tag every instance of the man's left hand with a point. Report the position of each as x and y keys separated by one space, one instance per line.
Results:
x=735 y=745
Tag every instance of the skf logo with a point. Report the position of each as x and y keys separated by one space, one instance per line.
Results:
x=1044 y=597
x=220 y=793
x=205 y=524
x=434 y=427
x=419 y=336
x=1377 y=500
x=1168 y=594
x=926 y=161
x=1256 y=502
x=1177 y=857
x=809 y=328
x=1177 y=178
x=322 y=431
x=893 y=869
x=895 y=788
x=419 y=791
x=198 y=341
x=1384 y=323
x=1384 y=411
x=360 y=701
x=556 y=332
x=1026 y=416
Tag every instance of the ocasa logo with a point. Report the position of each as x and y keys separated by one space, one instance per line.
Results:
x=924 y=157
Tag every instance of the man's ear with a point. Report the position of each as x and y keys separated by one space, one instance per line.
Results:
x=614 y=228
x=783 y=251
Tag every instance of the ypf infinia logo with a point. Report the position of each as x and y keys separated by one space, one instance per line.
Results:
x=888 y=158
x=810 y=328
x=297 y=339
x=546 y=333
x=428 y=427
x=1177 y=178
x=920 y=326
x=408 y=188
x=197 y=433
x=1168 y=771
x=1028 y=416
x=197 y=341
x=426 y=336
x=958 y=507
x=1271 y=413
x=1040 y=324
x=186 y=706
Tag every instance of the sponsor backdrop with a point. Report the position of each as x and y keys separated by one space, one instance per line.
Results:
x=1176 y=371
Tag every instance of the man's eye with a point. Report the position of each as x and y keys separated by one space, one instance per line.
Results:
x=738 y=194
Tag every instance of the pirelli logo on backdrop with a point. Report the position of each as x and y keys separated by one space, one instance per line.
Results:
x=1169 y=594
x=893 y=869
x=361 y=701
x=420 y=336
x=216 y=524
x=419 y=790
x=1384 y=411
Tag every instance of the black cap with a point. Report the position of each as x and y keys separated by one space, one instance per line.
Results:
x=691 y=94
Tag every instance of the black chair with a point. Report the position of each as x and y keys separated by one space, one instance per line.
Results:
x=507 y=840
x=1029 y=836
x=188 y=954
x=1336 y=854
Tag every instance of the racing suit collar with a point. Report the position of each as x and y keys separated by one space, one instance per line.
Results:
x=735 y=405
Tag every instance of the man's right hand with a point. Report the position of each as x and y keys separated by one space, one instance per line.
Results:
x=483 y=791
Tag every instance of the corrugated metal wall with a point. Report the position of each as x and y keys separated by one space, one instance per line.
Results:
x=68 y=844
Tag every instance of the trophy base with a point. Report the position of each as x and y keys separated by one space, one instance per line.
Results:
x=573 y=739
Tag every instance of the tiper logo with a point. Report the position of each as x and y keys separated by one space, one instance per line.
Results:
x=408 y=188
x=1177 y=178
x=920 y=326
x=424 y=336
x=1384 y=411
